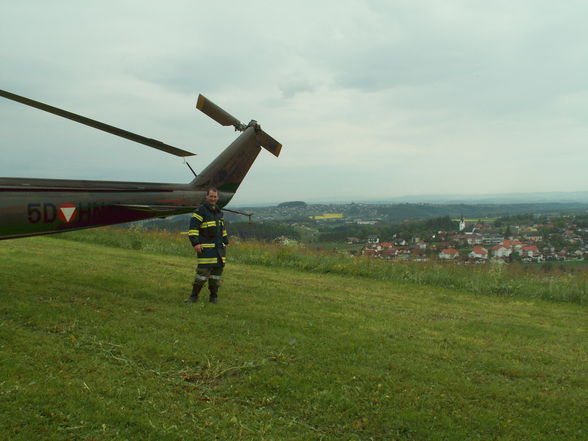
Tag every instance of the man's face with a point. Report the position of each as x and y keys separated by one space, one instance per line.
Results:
x=212 y=198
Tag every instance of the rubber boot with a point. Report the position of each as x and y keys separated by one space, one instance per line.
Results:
x=213 y=294
x=194 y=296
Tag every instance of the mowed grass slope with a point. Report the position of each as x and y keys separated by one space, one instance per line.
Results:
x=97 y=344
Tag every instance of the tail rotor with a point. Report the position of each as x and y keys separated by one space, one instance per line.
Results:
x=226 y=119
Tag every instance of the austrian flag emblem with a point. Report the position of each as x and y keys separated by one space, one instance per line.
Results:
x=67 y=212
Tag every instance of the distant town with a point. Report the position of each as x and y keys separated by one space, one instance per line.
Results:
x=460 y=233
x=483 y=242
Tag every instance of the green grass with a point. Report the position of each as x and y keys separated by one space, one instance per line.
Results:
x=548 y=282
x=97 y=344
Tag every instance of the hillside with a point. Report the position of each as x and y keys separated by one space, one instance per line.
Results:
x=97 y=344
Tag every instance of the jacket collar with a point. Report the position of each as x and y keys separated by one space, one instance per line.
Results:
x=211 y=208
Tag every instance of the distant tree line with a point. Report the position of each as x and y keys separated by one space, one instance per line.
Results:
x=292 y=204
x=387 y=231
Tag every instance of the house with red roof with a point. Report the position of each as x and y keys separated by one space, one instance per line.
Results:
x=514 y=245
x=501 y=252
x=531 y=253
x=449 y=254
x=389 y=253
x=479 y=253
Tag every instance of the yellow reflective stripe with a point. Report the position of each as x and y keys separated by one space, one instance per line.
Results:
x=207 y=245
x=224 y=259
x=225 y=233
x=207 y=260
x=208 y=224
x=197 y=216
x=193 y=232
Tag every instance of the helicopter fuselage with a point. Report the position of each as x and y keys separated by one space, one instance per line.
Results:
x=43 y=206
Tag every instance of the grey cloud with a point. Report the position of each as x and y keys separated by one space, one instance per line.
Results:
x=363 y=88
x=292 y=88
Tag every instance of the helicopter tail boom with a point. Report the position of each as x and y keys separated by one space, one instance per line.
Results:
x=228 y=170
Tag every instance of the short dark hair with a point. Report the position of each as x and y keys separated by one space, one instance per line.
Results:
x=209 y=189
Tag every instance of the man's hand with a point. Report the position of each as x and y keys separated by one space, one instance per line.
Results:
x=198 y=248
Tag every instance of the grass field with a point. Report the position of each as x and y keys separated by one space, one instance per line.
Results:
x=97 y=344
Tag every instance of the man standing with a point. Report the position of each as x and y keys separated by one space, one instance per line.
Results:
x=209 y=237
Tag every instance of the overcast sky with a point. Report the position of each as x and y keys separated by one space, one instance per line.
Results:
x=370 y=99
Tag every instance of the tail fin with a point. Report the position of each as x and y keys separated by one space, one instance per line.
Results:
x=229 y=168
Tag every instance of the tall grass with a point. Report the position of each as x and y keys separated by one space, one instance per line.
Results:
x=491 y=279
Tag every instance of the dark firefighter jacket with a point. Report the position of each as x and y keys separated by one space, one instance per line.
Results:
x=207 y=228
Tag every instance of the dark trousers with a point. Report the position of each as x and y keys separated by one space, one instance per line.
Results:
x=210 y=275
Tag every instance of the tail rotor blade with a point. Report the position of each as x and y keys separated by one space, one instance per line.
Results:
x=269 y=143
x=215 y=112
